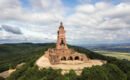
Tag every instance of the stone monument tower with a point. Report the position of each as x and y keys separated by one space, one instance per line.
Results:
x=62 y=57
x=61 y=40
x=62 y=52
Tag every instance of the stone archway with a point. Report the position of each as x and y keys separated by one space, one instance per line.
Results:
x=70 y=58
x=63 y=58
x=76 y=57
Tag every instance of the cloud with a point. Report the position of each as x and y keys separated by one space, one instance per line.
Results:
x=89 y=1
x=84 y=1
x=0 y=28
x=115 y=15
x=14 y=30
x=43 y=15
x=99 y=22
x=111 y=29
x=41 y=11
x=86 y=8
x=46 y=5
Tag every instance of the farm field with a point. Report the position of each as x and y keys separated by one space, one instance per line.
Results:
x=119 y=55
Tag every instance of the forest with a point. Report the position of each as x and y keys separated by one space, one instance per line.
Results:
x=13 y=54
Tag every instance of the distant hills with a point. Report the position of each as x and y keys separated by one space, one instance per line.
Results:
x=105 y=44
x=121 y=47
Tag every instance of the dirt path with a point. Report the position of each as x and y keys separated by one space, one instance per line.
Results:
x=7 y=73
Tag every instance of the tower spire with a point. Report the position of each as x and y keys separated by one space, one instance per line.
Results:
x=61 y=25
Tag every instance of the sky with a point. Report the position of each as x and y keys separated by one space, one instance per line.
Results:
x=85 y=21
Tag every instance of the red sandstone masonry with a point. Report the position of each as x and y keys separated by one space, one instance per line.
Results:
x=62 y=52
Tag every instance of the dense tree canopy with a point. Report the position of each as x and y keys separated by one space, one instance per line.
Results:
x=13 y=54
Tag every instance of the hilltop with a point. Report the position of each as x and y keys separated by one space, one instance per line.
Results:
x=13 y=54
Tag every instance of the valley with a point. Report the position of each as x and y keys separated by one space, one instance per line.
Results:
x=119 y=55
x=120 y=51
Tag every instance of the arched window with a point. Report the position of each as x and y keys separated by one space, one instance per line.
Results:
x=62 y=42
x=63 y=58
x=70 y=58
x=77 y=58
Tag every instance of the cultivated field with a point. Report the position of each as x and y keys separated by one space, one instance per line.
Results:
x=118 y=55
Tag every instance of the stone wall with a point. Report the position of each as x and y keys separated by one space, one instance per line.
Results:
x=57 y=55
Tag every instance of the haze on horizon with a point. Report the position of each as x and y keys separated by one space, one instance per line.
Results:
x=85 y=21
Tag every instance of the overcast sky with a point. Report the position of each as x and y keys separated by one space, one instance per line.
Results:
x=85 y=21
